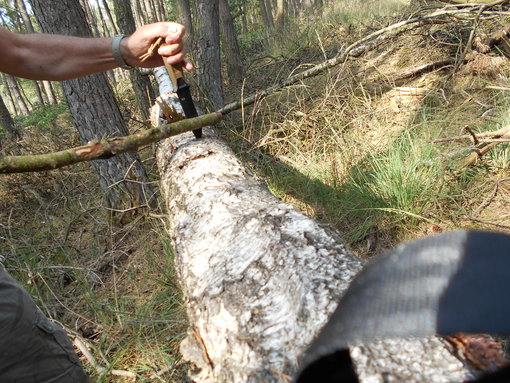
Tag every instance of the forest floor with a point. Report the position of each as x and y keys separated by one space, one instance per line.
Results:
x=351 y=147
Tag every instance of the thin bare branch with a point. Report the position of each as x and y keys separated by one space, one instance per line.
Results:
x=357 y=49
x=103 y=149
x=80 y=345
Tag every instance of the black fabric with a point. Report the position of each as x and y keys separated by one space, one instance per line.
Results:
x=32 y=349
x=476 y=299
x=454 y=282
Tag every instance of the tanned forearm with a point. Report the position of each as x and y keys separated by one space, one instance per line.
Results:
x=43 y=57
x=56 y=57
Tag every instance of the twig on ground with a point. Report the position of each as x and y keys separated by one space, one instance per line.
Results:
x=413 y=72
x=484 y=147
x=472 y=135
x=357 y=49
x=483 y=144
x=80 y=345
x=479 y=136
x=498 y=225
x=498 y=87
x=486 y=202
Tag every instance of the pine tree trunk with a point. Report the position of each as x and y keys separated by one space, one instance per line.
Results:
x=231 y=50
x=139 y=13
x=6 y=122
x=90 y=16
x=50 y=93
x=244 y=20
x=183 y=16
x=149 y=5
x=95 y=110
x=25 y=16
x=24 y=96
x=110 y=17
x=162 y=10
x=208 y=52
x=38 y=92
x=9 y=94
x=281 y=10
x=104 y=25
x=144 y=93
x=267 y=17
x=145 y=11
x=16 y=93
x=28 y=27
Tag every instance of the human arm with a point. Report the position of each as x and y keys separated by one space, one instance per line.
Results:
x=57 y=57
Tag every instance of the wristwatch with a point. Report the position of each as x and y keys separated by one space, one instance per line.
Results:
x=116 y=52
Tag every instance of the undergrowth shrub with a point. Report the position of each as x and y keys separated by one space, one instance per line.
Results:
x=393 y=187
x=43 y=117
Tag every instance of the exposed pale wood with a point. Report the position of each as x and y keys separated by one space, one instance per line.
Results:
x=259 y=278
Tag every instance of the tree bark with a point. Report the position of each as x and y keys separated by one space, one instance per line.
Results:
x=231 y=50
x=208 y=52
x=91 y=18
x=139 y=13
x=29 y=27
x=50 y=93
x=9 y=94
x=6 y=122
x=259 y=278
x=267 y=17
x=95 y=111
x=183 y=16
x=104 y=25
x=16 y=92
x=110 y=17
x=281 y=10
x=162 y=10
x=144 y=93
x=149 y=5
x=244 y=19
x=146 y=10
x=105 y=148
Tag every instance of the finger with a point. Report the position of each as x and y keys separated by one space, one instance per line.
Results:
x=187 y=65
x=175 y=59
x=170 y=49
x=175 y=32
x=170 y=30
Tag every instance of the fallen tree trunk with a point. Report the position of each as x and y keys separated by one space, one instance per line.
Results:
x=259 y=278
